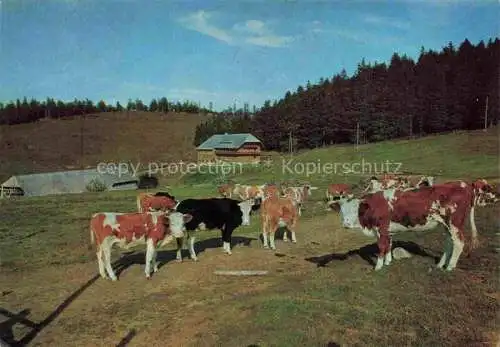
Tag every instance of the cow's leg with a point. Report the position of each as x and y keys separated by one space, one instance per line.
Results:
x=457 y=238
x=474 y=240
x=102 y=270
x=285 y=231
x=192 y=253
x=106 y=248
x=150 y=253
x=180 y=242
x=448 y=243
x=227 y=230
x=293 y=227
x=448 y=246
x=384 y=241
x=272 y=232
x=271 y=240
x=264 y=240
x=155 y=263
x=265 y=229
x=388 y=255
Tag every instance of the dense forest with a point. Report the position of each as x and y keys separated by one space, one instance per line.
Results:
x=24 y=111
x=442 y=91
x=455 y=88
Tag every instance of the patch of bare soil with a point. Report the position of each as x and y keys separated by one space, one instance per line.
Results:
x=70 y=305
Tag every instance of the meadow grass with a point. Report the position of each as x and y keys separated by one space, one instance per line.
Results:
x=45 y=257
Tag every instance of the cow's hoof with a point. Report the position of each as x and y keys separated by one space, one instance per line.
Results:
x=265 y=247
x=114 y=279
x=294 y=241
x=285 y=240
x=194 y=259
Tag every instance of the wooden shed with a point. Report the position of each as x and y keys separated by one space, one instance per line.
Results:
x=243 y=148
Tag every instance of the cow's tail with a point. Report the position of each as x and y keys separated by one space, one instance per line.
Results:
x=474 y=241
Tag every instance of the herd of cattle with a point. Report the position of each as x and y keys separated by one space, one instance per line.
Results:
x=387 y=205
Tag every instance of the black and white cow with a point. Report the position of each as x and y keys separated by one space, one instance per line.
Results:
x=215 y=213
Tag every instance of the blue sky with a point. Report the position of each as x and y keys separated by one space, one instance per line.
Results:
x=222 y=52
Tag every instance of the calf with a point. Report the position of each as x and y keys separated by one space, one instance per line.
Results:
x=160 y=201
x=278 y=212
x=155 y=229
x=391 y=211
x=221 y=213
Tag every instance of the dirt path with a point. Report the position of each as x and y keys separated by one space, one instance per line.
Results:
x=81 y=309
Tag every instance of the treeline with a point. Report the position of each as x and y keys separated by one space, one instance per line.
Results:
x=24 y=111
x=442 y=91
x=231 y=120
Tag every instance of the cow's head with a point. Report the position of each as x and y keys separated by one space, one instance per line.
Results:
x=484 y=192
x=177 y=223
x=349 y=211
x=246 y=208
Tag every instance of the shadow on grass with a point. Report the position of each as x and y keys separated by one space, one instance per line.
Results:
x=119 y=265
x=20 y=318
x=164 y=257
x=127 y=338
x=369 y=252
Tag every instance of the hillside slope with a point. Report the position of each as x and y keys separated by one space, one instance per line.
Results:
x=50 y=144
x=464 y=155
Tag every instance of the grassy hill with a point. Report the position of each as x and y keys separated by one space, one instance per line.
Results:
x=50 y=144
x=465 y=155
x=49 y=273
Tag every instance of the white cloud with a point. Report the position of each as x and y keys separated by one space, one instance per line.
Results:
x=252 y=31
x=252 y=26
x=198 y=21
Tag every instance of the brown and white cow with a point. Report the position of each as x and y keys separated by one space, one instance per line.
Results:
x=246 y=192
x=399 y=182
x=387 y=212
x=155 y=229
x=277 y=212
x=160 y=201
x=337 y=190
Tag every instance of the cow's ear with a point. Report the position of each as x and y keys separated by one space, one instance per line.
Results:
x=186 y=218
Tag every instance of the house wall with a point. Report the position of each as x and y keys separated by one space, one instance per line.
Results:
x=248 y=153
x=206 y=156
x=239 y=158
